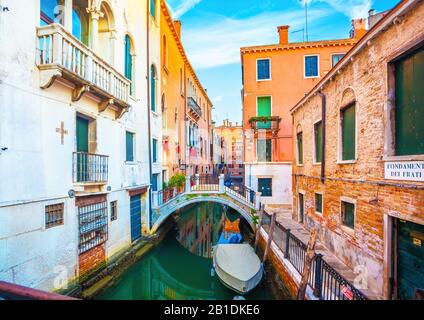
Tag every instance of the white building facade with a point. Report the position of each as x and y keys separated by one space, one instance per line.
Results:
x=74 y=138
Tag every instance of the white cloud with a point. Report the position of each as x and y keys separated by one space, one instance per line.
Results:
x=184 y=7
x=351 y=8
x=218 y=43
x=218 y=99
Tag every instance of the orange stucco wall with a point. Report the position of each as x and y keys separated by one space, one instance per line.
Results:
x=286 y=87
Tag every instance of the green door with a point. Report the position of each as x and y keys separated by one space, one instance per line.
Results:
x=264 y=110
x=410 y=259
x=82 y=150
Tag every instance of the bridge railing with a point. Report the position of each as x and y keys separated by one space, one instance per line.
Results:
x=11 y=291
x=244 y=193
x=204 y=183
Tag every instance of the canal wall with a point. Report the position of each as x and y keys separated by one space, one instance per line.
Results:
x=288 y=275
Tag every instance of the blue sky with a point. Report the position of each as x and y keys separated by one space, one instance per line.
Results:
x=214 y=30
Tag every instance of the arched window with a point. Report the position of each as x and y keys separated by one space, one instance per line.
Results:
x=51 y=11
x=153 y=8
x=128 y=58
x=80 y=21
x=165 y=52
x=153 y=88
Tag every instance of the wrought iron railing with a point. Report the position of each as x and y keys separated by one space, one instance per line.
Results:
x=167 y=194
x=204 y=183
x=90 y=168
x=327 y=283
x=271 y=123
x=243 y=193
x=192 y=104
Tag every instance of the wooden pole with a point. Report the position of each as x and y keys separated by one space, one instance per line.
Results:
x=309 y=257
x=270 y=235
x=258 y=228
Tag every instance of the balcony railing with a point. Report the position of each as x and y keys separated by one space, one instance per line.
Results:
x=90 y=168
x=194 y=108
x=271 y=124
x=61 y=55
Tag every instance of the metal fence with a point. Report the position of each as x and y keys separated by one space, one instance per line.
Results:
x=166 y=195
x=204 y=183
x=243 y=193
x=89 y=167
x=326 y=282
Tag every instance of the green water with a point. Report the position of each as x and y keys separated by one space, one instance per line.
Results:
x=180 y=266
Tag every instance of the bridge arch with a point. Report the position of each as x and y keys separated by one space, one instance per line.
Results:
x=183 y=201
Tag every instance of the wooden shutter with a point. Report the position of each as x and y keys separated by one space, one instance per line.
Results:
x=348 y=212
x=129 y=146
x=155 y=150
x=300 y=148
x=128 y=58
x=348 y=133
x=264 y=110
x=82 y=134
x=409 y=73
x=318 y=141
x=318 y=202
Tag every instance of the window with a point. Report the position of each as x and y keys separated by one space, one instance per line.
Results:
x=264 y=150
x=348 y=214
x=265 y=186
x=181 y=81
x=300 y=148
x=311 y=66
x=54 y=215
x=153 y=88
x=335 y=58
x=263 y=69
x=93 y=226
x=153 y=8
x=129 y=62
x=155 y=151
x=348 y=123
x=155 y=183
x=318 y=141
x=51 y=11
x=113 y=210
x=318 y=202
x=264 y=110
x=129 y=146
x=409 y=111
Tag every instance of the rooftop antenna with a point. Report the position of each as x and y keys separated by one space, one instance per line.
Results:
x=303 y=33
x=305 y=2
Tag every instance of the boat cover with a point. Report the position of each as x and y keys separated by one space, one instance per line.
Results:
x=238 y=266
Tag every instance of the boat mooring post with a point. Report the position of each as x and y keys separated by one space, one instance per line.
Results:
x=258 y=228
x=270 y=236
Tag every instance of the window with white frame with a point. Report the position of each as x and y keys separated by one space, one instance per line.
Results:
x=311 y=66
x=263 y=69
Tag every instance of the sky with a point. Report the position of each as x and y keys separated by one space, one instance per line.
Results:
x=214 y=30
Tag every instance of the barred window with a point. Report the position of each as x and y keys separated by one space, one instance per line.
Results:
x=54 y=215
x=93 y=229
x=113 y=210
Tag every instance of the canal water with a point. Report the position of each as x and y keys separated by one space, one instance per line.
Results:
x=179 y=268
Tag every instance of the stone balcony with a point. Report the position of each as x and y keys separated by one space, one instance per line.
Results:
x=194 y=109
x=60 y=56
x=265 y=124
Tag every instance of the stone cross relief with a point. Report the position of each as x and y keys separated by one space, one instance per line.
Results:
x=62 y=131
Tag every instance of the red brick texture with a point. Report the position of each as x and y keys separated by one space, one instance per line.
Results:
x=91 y=259
x=364 y=80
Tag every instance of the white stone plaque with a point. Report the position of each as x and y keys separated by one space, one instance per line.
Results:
x=404 y=170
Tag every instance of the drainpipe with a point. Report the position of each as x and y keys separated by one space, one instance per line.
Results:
x=324 y=112
x=148 y=113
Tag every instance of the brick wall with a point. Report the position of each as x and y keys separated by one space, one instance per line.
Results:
x=364 y=80
x=91 y=259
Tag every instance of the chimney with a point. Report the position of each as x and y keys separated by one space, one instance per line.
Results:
x=284 y=34
x=177 y=26
x=359 y=28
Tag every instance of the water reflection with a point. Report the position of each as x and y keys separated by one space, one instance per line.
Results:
x=180 y=267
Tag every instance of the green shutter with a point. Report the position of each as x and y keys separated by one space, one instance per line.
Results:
x=348 y=213
x=129 y=146
x=128 y=58
x=318 y=142
x=153 y=88
x=82 y=134
x=348 y=133
x=318 y=202
x=155 y=150
x=264 y=110
x=300 y=148
x=409 y=73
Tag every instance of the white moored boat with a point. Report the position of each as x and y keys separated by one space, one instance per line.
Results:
x=237 y=266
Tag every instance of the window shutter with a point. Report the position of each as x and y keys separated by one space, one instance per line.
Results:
x=129 y=146
x=264 y=110
x=318 y=142
x=300 y=148
x=409 y=111
x=263 y=67
x=348 y=133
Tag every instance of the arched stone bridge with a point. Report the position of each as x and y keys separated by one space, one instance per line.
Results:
x=204 y=189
